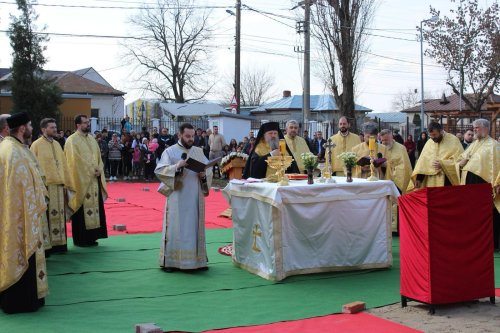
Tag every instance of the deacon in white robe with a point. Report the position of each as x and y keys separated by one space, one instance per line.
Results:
x=183 y=236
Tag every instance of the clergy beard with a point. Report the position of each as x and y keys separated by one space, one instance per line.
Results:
x=27 y=134
x=477 y=136
x=188 y=144
x=343 y=130
x=86 y=129
x=438 y=139
x=274 y=143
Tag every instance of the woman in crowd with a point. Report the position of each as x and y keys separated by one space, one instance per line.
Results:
x=114 y=155
x=421 y=142
x=411 y=147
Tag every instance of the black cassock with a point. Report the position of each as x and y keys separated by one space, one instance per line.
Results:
x=256 y=166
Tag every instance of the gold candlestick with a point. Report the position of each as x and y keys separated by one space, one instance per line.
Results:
x=372 y=146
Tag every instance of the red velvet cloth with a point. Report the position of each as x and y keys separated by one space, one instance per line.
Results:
x=446 y=244
x=345 y=323
x=142 y=212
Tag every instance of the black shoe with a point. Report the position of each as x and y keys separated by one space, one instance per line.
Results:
x=169 y=269
x=88 y=244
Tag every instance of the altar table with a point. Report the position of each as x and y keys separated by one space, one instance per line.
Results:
x=281 y=231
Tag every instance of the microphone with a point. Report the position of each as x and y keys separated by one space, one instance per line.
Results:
x=181 y=169
x=379 y=155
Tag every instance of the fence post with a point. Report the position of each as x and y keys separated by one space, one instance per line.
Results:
x=93 y=124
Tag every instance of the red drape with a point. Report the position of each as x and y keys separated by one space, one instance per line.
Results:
x=446 y=244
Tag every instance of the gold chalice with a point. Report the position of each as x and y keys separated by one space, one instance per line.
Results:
x=280 y=164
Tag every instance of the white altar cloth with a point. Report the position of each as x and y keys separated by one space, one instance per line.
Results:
x=299 y=229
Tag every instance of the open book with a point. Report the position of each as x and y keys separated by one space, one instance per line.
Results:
x=197 y=166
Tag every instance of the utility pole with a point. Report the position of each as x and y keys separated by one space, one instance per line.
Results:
x=237 y=90
x=306 y=95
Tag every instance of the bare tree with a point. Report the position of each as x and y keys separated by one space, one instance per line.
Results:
x=405 y=99
x=339 y=26
x=171 y=50
x=468 y=46
x=257 y=86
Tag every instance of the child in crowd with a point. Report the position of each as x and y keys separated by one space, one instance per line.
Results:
x=136 y=162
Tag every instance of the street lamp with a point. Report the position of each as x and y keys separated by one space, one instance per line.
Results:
x=432 y=19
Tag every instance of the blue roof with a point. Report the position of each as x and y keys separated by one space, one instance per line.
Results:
x=317 y=103
x=389 y=117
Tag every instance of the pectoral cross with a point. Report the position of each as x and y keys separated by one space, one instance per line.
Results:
x=256 y=233
x=329 y=145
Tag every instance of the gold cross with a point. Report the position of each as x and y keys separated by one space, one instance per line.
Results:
x=256 y=233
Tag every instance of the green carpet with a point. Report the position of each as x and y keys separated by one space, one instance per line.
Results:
x=112 y=287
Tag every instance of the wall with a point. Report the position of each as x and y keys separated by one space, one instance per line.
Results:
x=105 y=105
x=231 y=128
x=72 y=107
x=6 y=104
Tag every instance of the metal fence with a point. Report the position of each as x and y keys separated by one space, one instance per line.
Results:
x=115 y=124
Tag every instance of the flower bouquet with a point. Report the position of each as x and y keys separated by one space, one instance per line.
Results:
x=349 y=158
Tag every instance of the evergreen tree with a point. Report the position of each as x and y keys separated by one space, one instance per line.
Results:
x=31 y=90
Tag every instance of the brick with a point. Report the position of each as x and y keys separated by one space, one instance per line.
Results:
x=119 y=227
x=147 y=328
x=353 y=307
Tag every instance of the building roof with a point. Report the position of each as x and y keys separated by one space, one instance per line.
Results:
x=452 y=104
x=317 y=103
x=199 y=110
x=72 y=83
x=389 y=117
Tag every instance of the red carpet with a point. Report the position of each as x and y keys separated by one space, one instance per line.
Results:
x=497 y=292
x=345 y=323
x=142 y=211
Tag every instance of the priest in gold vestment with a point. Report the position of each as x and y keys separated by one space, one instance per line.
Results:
x=480 y=164
x=436 y=164
x=398 y=165
x=296 y=144
x=23 y=274
x=397 y=168
x=362 y=150
x=344 y=141
x=51 y=159
x=4 y=127
x=86 y=185
x=267 y=144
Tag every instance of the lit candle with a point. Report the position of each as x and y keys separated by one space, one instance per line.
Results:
x=282 y=146
x=371 y=143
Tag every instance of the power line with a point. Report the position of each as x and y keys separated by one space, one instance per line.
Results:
x=117 y=7
x=268 y=16
x=396 y=59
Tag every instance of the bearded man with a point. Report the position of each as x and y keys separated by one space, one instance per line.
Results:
x=87 y=184
x=23 y=274
x=183 y=236
x=344 y=141
x=267 y=145
x=53 y=164
x=480 y=164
